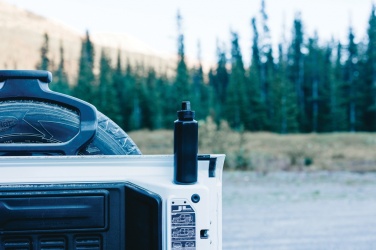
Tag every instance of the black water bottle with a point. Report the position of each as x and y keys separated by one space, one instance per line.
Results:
x=185 y=146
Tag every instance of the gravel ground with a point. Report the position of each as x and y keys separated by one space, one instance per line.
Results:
x=320 y=210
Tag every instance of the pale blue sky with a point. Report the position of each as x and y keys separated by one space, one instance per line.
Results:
x=206 y=20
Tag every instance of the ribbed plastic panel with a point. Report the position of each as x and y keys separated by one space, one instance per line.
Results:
x=88 y=243
x=16 y=244
x=53 y=243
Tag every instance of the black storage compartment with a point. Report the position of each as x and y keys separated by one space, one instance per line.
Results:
x=53 y=211
x=79 y=216
x=143 y=213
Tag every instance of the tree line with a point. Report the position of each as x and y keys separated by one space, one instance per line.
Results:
x=305 y=86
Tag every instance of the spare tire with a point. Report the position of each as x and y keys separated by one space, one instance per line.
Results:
x=30 y=121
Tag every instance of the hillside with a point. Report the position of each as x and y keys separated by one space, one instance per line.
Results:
x=22 y=36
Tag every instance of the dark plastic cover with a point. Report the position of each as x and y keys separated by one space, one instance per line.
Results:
x=33 y=85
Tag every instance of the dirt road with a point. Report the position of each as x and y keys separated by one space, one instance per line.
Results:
x=299 y=211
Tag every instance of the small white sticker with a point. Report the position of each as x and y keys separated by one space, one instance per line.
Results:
x=183 y=226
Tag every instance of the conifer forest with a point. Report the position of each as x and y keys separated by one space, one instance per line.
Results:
x=303 y=85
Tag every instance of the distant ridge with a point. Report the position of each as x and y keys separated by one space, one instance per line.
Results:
x=22 y=36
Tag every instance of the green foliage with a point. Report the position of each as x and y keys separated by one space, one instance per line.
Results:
x=182 y=85
x=258 y=86
x=44 y=51
x=127 y=97
x=333 y=114
x=86 y=82
x=238 y=110
x=370 y=74
x=118 y=79
x=285 y=119
x=218 y=82
x=201 y=92
x=296 y=71
x=313 y=85
x=107 y=98
x=351 y=78
x=151 y=103
x=61 y=83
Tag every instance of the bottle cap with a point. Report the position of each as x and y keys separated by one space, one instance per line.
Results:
x=186 y=114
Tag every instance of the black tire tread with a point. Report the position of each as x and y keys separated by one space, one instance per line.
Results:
x=110 y=139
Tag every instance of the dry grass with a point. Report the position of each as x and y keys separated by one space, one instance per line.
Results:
x=266 y=152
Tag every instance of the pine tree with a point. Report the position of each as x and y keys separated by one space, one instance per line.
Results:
x=255 y=68
x=258 y=88
x=351 y=79
x=200 y=91
x=156 y=99
x=215 y=105
x=136 y=115
x=128 y=95
x=238 y=109
x=296 y=71
x=150 y=102
x=85 y=87
x=267 y=67
x=61 y=83
x=118 y=84
x=313 y=85
x=325 y=90
x=336 y=114
x=135 y=118
x=370 y=73
x=108 y=102
x=44 y=51
x=166 y=90
x=285 y=119
x=218 y=81
x=182 y=86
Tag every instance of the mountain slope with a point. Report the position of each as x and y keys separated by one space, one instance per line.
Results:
x=22 y=36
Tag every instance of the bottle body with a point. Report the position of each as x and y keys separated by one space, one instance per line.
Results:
x=185 y=147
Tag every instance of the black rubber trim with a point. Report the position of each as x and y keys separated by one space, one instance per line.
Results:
x=212 y=163
x=44 y=76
